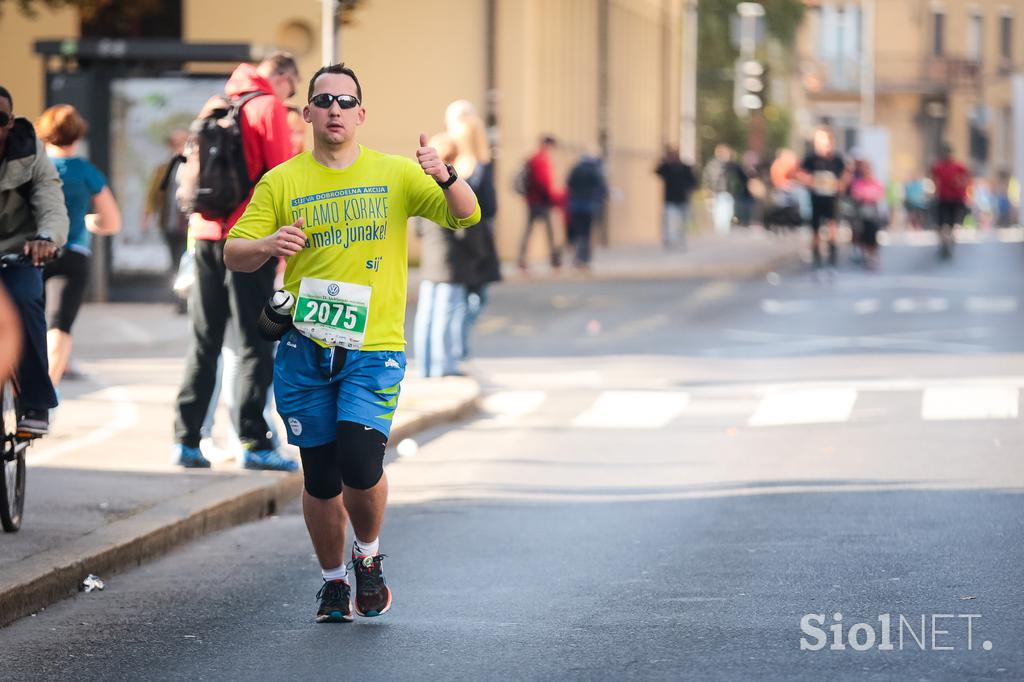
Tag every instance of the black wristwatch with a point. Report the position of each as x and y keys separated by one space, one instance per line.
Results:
x=452 y=177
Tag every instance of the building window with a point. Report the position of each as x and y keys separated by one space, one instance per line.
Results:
x=1006 y=38
x=975 y=31
x=938 y=33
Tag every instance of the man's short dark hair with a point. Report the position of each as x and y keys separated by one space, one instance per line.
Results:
x=281 y=62
x=7 y=95
x=549 y=141
x=335 y=69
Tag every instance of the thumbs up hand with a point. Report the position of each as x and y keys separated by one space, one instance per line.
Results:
x=288 y=240
x=430 y=162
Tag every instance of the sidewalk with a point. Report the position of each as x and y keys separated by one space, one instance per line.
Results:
x=102 y=494
x=741 y=254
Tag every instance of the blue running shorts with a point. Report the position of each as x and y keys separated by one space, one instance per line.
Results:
x=311 y=402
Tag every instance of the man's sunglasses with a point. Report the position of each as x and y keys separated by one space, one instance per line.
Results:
x=325 y=100
x=5 y=118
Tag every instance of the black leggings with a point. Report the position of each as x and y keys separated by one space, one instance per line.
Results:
x=66 y=279
x=355 y=459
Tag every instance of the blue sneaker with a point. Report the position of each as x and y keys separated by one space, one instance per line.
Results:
x=269 y=460
x=190 y=458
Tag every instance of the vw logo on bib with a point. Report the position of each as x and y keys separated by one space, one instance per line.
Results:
x=333 y=290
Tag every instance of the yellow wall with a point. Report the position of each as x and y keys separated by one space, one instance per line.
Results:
x=23 y=68
x=415 y=57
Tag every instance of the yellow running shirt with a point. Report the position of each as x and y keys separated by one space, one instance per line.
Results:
x=355 y=225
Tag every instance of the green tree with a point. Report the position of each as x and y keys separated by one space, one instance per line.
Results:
x=716 y=59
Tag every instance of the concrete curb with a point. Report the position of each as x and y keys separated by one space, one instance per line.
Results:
x=55 y=574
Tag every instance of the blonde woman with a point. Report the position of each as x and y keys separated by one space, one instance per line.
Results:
x=91 y=208
x=441 y=306
x=473 y=162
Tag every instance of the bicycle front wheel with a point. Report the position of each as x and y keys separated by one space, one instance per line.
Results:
x=12 y=463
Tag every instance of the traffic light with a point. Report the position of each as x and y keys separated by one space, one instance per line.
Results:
x=748 y=91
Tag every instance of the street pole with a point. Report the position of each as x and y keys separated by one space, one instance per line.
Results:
x=867 y=64
x=688 y=86
x=329 y=43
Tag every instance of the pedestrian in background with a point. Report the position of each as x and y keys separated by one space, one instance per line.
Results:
x=220 y=296
x=679 y=181
x=586 y=190
x=441 y=305
x=61 y=128
x=33 y=224
x=719 y=182
x=541 y=197
x=161 y=205
x=868 y=197
x=473 y=162
x=297 y=127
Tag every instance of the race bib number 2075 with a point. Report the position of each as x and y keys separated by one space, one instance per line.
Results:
x=333 y=312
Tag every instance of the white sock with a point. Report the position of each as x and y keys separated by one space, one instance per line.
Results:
x=360 y=548
x=339 y=573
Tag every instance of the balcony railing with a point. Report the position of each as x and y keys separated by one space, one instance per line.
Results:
x=894 y=72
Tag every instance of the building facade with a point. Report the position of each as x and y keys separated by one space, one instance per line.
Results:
x=925 y=71
x=597 y=74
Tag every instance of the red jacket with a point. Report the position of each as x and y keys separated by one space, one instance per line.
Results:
x=951 y=180
x=542 y=184
x=265 y=136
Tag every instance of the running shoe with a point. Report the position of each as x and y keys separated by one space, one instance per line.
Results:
x=190 y=458
x=373 y=598
x=270 y=460
x=335 y=602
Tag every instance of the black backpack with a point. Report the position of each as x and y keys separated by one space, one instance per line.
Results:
x=213 y=179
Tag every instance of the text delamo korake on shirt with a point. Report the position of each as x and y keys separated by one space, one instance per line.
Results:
x=355 y=224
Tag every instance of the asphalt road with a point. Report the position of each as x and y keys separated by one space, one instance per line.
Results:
x=667 y=479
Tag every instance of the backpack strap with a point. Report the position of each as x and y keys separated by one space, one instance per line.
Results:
x=236 y=111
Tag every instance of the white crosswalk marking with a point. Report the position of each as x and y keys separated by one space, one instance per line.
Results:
x=866 y=306
x=991 y=304
x=507 y=406
x=969 y=402
x=632 y=410
x=804 y=406
x=920 y=305
x=775 y=307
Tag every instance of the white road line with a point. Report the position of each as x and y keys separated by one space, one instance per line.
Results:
x=933 y=304
x=804 y=406
x=991 y=304
x=632 y=410
x=866 y=306
x=507 y=406
x=969 y=402
x=776 y=307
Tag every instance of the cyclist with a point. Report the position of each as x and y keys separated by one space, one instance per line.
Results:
x=339 y=216
x=34 y=223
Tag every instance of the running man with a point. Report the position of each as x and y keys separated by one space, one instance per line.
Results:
x=952 y=180
x=825 y=173
x=339 y=216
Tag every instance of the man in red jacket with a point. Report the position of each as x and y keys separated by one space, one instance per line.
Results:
x=541 y=197
x=220 y=294
x=952 y=179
